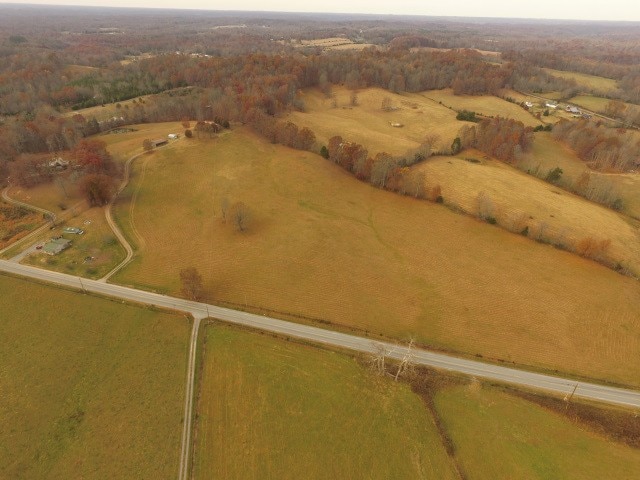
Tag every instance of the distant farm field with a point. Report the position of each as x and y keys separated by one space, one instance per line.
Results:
x=268 y=408
x=498 y=436
x=90 y=388
x=485 y=187
x=486 y=105
x=367 y=124
x=323 y=245
x=586 y=81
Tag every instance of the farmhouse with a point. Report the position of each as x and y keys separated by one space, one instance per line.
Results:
x=56 y=245
x=159 y=142
x=59 y=163
x=572 y=109
x=551 y=105
x=528 y=104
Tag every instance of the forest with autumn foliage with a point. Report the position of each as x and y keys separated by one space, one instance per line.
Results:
x=253 y=74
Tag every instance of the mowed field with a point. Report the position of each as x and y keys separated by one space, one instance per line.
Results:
x=91 y=388
x=370 y=126
x=586 y=81
x=324 y=246
x=269 y=408
x=518 y=200
x=498 y=436
x=486 y=105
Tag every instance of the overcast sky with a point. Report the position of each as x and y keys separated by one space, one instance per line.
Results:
x=560 y=9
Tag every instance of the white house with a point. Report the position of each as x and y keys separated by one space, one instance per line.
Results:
x=551 y=105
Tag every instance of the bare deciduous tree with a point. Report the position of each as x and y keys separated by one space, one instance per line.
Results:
x=191 y=281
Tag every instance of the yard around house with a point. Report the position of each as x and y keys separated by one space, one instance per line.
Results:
x=322 y=245
x=270 y=408
x=91 y=388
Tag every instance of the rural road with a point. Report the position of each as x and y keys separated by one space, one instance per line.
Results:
x=513 y=376
x=114 y=228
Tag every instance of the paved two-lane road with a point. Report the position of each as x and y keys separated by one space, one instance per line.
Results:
x=422 y=357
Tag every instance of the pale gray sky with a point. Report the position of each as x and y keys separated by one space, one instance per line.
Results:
x=560 y=9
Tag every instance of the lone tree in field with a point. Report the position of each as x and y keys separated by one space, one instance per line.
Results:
x=240 y=216
x=191 y=282
x=147 y=145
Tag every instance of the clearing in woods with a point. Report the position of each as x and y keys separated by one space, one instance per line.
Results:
x=486 y=105
x=91 y=388
x=323 y=245
x=591 y=82
x=520 y=439
x=367 y=124
x=270 y=408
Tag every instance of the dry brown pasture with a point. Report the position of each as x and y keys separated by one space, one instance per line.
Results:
x=370 y=126
x=324 y=246
x=485 y=104
x=518 y=201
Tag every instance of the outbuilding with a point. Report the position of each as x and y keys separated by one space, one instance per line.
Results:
x=56 y=245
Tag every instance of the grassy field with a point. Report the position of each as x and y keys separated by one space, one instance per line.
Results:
x=583 y=80
x=332 y=43
x=486 y=105
x=269 y=408
x=325 y=246
x=499 y=436
x=369 y=125
x=595 y=104
x=519 y=200
x=548 y=154
x=90 y=388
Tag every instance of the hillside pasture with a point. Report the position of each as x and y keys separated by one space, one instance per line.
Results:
x=498 y=436
x=367 y=124
x=516 y=200
x=270 y=408
x=588 y=82
x=486 y=105
x=91 y=388
x=548 y=154
x=322 y=245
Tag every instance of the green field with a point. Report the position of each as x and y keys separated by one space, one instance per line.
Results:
x=498 y=436
x=483 y=104
x=90 y=388
x=591 y=82
x=324 y=246
x=269 y=408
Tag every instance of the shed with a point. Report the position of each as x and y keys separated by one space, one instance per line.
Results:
x=73 y=230
x=172 y=136
x=56 y=245
x=159 y=142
